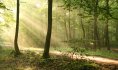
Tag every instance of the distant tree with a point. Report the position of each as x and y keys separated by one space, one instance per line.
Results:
x=69 y=20
x=65 y=25
x=68 y=6
x=95 y=15
x=81 y=21
x=48 y=37
x=96 y=11
x=106 y=26
x=17 y=51
x=116 y=33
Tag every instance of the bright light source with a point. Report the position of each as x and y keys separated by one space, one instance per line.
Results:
x=38 y=5
x=14 y=13
x=91 y=43
x=67 y=13
x=1 y=11
x=1 y=19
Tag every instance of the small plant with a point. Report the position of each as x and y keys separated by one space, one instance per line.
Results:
x=91 y=66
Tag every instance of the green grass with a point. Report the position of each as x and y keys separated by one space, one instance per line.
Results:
x=101 y=53
x=4 y=53
x=32 y=61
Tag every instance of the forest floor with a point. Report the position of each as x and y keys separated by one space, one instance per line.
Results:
x=97 y=59
x=31 y=60
x=71 y=55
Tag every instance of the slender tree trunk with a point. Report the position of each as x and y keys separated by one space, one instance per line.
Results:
x=96 y=35
x=107 y=34
x=116 y=31
x=103 y=37
x=83 y=30
x=106 y=26
x=17 y=51
x=48 y=37
x=82 y=25
x=95 y=32
x=69 y=23
x=65 y=25
x=73 y=31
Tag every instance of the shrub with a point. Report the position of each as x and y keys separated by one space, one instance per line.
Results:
x=89 y=67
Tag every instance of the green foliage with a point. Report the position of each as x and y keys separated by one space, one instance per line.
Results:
x=67 y=64
x=33 y=28
x=0 y=48
x=103 y=53
x=89 y=67
x=4 y=53
x=89 y=52
x=2 y=5
x=33 y=60
x=89 y=6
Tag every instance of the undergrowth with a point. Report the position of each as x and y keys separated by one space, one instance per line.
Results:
x=35 y=61
x=89 y=52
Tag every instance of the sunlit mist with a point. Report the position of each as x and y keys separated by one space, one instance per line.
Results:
x=33 y=25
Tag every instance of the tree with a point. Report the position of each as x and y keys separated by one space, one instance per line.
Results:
x=69 y=20
x=116 y=33
x=67 y=5
x=17 y=51
x=81 y=22
x=98 y=12
x=106 y=26
x=48 y=37
x=65 y=25
x=95 y=15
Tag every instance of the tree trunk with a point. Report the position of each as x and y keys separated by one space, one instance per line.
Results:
x=17 y=51
x=96 y=38
x=96 y=35
x=65 y=25
x=106 y=26
x=107 y=34
x=49 y=31
x=116 y=34
x=83 y=30
x=69 y=23
x=82 y=25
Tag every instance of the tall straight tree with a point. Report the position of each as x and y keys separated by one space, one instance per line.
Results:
x=49 y=31
x=106 y=26
x=81 y=21
x=65 y=25
x=116 y=33
x=17 y=51
x=95 y=15
x=69 y=20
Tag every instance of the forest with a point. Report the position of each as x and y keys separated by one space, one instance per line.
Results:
x=58 y=34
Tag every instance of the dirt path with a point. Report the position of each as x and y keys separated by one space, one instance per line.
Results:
x=93 y=58
x=103 y=60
